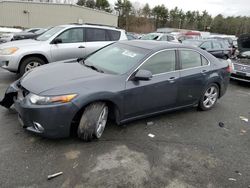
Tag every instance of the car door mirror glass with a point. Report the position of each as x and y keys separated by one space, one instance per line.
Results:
x=143 y=75
x=57 y=41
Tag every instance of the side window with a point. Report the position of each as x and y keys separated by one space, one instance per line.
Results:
x=160 y=63
x=204 y=61
x=72 y=35
x=164 y=38
x=170 y=38
x=206 y=45
x=95 y=34
x=189 y=59
x=217 y=45
x=114 y=35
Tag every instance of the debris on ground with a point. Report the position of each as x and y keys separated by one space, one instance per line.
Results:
x=75 y=165
x=238 y=172
x=151 y=135
x=221 y=124
x=150 y=123
x=232 y=179
x=242 y=132
x=54 y=175
x=243 y=118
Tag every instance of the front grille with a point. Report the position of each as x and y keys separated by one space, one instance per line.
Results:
x=242 y=68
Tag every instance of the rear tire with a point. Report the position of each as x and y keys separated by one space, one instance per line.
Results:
x=30 y=63
x=93 y=121
x=209 y=97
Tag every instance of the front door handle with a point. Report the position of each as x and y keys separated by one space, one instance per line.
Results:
x=204 y=71
x=172 y=79
x=81 y=47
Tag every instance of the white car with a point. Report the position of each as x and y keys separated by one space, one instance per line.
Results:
x=64 y=42
x=160 y=37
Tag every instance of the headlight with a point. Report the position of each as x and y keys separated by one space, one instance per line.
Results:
x=8 y=51
x=44 y=100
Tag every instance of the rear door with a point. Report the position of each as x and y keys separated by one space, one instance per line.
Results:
x=193 y=76
x=157 y=94
x=217 y=50
x=72 y=46
x=97 y=38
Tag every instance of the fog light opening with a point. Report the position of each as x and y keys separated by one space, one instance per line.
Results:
x=38 y=127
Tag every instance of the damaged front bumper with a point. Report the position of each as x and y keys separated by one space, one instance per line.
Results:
x=52 y=121
x=10 y=95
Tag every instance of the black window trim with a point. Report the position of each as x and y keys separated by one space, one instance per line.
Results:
x=186 y=49
x=52 y=42
x=106 y=34
x=144 y=61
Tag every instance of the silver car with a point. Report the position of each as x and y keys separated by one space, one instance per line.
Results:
x=63 y=42
x=160 y=37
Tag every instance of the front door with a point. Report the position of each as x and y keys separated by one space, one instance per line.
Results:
x=72 y=45
x=158 y=93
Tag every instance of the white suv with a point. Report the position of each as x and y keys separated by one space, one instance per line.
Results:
x=62 y=42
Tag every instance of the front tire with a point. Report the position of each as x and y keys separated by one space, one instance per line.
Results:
x=209 y=97
x=30 y=63
x=93 y=121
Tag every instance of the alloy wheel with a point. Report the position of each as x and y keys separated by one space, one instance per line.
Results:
x=210 y=97
x=32 y=65
x=101 y=123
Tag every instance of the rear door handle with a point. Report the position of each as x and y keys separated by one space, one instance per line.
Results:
x=81 y=47
x=204 y=71
x=172 y=79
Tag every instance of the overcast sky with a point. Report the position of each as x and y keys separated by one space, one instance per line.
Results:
x=214 y=7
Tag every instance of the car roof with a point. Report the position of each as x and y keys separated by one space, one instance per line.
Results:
x=155 y=45
x=91 y=25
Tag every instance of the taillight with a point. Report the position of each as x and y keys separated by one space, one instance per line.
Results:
x=229 y=69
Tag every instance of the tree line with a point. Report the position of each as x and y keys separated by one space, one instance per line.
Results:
x=146 y=18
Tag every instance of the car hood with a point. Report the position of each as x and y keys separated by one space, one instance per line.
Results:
x=59 y=75
x=21 y=43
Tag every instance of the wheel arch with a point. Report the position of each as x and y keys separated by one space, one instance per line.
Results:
x=39 y=55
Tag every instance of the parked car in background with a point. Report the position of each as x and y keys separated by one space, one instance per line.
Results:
x=7 y=37
x=125 y=81
x=59 y=43
x=16 y=36
x=241 y=66
x=131 y=36
x=32 y=30
x=215 y=47
x=159 y=37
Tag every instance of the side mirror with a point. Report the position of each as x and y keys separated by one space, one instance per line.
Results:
x=57 y=41
x=143 y=75
x=203 y=48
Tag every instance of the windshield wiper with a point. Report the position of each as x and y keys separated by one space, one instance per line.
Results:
x=82 y=61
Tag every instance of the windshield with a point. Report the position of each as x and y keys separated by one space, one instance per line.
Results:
x=117 y=58
x=192 y=42
x=150 y=36
x=45 y=36
x=40 y=31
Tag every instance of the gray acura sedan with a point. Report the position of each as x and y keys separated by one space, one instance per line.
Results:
x=124 y=81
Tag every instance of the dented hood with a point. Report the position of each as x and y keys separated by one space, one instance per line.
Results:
x=56 y=75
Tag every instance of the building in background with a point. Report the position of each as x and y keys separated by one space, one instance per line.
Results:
x=35 y=14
